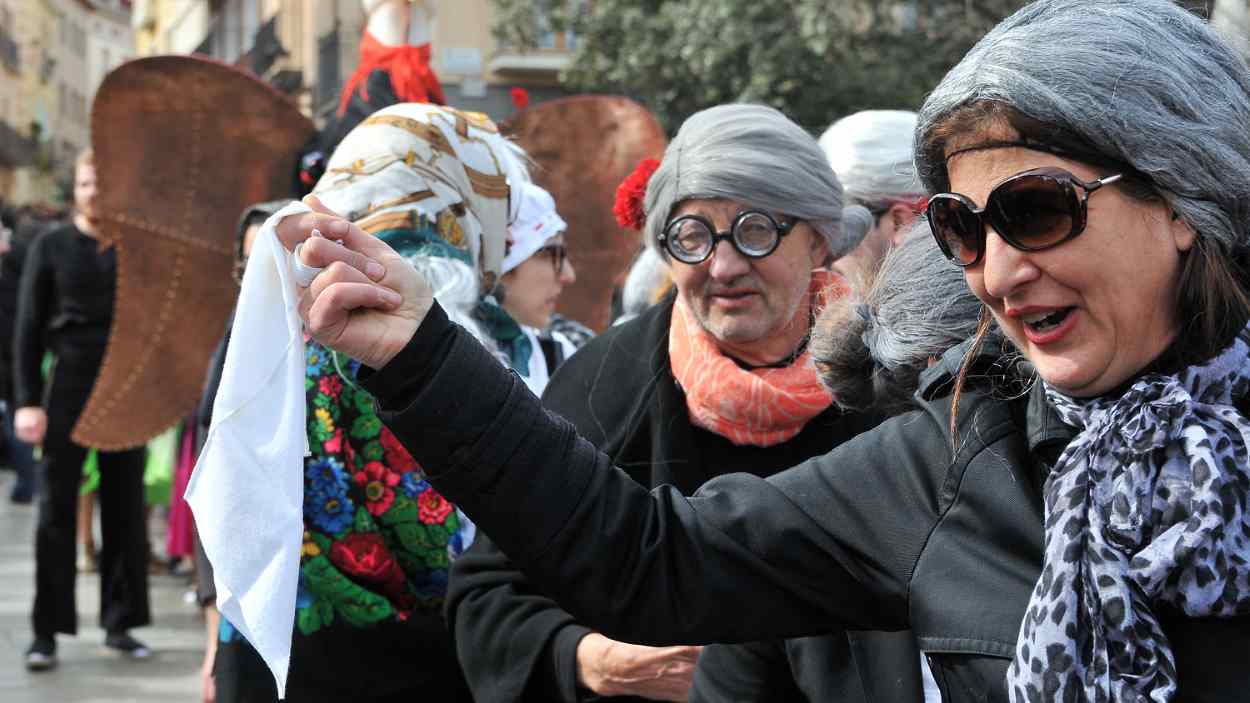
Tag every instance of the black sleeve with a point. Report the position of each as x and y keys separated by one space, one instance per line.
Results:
x=752 y=671
x=514 y=643
x=813 y=547
x=10 y=276
x=204 y=413
x=34 y=302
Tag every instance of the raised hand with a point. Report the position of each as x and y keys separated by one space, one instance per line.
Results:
x=367 y=302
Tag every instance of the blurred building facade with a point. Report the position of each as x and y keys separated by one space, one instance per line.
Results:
x=53 y=55
x=308 y=48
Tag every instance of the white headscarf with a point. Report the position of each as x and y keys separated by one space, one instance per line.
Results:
x=451 y=166
x=537 y=221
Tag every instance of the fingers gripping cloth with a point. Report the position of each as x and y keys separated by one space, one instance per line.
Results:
x=302 y=273
x=247 y=491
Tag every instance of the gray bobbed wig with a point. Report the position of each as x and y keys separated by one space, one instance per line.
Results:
x=755 y=155
x=1140 y=82
x=872 y=154
x=871 y=347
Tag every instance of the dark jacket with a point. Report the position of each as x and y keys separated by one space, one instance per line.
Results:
x=515 y=643
x=898 y=527
x=65 y=306
x=10 y=276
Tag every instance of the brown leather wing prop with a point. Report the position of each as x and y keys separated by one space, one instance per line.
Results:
x=583 y=147
x=182 y=146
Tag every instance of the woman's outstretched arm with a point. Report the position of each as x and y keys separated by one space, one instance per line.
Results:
x=745 y=558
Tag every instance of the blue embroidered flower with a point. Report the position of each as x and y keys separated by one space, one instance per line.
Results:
x=327 y=474
x=314 y=358
x=326 y=502
x=412 y=484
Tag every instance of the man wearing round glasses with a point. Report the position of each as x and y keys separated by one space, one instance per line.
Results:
x=714 y=379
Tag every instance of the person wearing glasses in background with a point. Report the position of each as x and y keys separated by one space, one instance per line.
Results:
x=714 y=379
x=517 y=314
x=1086 y=541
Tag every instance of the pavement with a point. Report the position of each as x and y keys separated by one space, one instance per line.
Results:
x=87 y=672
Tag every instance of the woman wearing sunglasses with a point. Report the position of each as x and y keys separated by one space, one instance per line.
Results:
x=1088 y=541
x=518 y=311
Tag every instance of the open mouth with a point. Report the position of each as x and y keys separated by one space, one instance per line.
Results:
x=1045 y=322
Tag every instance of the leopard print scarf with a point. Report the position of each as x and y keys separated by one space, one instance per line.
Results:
x=1148 y=506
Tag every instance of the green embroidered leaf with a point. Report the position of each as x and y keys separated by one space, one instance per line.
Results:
x=358 y=606
x=364 y=403
x=366 y=427
x=322 y=542
x=373 y=451
x=364 y=521
x=318 y=431
x=414 y=538
x=402 y=510
x=322 y=400
x=319 y=614
x=437 y=559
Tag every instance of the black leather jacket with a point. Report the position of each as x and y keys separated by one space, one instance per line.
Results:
x=896 y=528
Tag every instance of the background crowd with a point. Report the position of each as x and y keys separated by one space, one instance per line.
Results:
x=821 y=303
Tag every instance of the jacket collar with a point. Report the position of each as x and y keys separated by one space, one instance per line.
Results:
x=1045 y=431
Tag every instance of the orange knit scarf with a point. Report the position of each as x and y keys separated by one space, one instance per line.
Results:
x=760 y=407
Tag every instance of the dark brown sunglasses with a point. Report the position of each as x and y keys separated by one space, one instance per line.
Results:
x=1031 y=211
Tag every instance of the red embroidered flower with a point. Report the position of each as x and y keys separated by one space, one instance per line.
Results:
x=364 y=555
x=331 y=386
x=433 y=508
x=631 y=193
x=334 y=445
x=379 y=485
x=520 y=98
x=396 y=456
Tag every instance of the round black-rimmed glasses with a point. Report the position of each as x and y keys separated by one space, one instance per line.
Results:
x=691 y=239
x=1033 y=210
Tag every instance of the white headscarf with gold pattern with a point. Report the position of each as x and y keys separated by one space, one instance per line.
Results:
x=451 y=166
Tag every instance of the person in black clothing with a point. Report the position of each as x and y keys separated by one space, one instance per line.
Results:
x=65 y=307
x=18 y=454
x=635 y=393
x=1086 y=541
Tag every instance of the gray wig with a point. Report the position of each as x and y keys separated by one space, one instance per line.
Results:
x=757 y=156
x=871 y=347
x=872 y=155
x=1138 y=83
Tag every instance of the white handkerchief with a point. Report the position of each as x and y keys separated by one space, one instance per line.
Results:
x=247 y=491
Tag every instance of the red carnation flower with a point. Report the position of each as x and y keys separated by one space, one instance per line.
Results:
x=433 y=509
x=379 y=485
x=364 y=556
x=630 y=194
x=520 y=98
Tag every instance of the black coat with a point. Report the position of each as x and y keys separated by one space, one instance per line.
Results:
x=517 y=644
x=896 y=528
